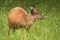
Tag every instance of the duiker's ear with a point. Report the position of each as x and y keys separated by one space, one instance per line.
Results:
x=31 y=8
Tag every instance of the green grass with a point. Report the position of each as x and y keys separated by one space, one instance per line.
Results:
x=46 y=29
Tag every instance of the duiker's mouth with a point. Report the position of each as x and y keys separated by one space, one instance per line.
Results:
x=41 y=18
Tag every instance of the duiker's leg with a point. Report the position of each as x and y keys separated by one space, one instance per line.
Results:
x=10 y=26
x=28 y=28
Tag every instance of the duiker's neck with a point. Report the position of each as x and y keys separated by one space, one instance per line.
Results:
x=30 y=19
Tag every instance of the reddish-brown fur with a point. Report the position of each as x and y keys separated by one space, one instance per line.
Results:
x=18 y=16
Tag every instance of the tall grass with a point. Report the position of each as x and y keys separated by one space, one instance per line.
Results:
x=46 y=29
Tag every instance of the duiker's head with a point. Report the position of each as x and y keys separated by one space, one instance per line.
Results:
x=35 y=12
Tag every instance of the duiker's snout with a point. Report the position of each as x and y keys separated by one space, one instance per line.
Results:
x=39 y=16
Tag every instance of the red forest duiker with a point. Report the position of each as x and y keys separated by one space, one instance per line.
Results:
x=18 y=16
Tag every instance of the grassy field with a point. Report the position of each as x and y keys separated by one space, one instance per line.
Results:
x=46 y=29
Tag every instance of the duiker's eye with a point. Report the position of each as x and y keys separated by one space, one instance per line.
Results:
x=37 y=13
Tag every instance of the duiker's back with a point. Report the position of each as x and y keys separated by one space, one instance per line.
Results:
x=17 y=16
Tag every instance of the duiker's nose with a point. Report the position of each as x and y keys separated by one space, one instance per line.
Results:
x=42 y=17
